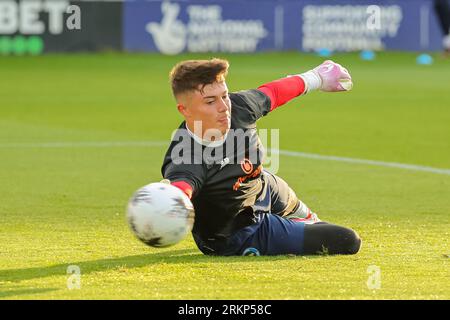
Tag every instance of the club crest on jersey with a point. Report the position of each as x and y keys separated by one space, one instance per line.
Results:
x=246 y=166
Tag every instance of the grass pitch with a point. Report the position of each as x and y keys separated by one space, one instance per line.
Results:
x=65 y=179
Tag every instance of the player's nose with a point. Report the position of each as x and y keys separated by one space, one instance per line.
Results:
x=222 y=106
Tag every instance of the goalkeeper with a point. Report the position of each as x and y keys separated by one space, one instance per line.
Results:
x=216 y=157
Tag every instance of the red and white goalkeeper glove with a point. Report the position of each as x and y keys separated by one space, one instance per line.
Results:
x=329 y=76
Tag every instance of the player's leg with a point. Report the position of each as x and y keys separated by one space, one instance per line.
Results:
x=285 y=203
x=322 y=238
x=442 y=9
x=276 y=236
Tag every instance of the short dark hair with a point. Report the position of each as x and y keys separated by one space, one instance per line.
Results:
x=189 y=75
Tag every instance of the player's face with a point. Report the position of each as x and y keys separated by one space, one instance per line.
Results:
x=212 y=107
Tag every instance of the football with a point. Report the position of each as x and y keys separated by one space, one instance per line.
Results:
x=160 y=215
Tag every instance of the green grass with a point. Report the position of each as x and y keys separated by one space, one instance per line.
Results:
x=65 y=206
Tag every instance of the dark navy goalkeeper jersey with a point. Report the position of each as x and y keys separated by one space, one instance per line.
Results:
x=227 y=180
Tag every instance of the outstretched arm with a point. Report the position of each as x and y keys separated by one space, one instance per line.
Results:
x=329 y=77
x=185 y=187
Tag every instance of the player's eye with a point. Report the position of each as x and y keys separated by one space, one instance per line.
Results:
x=210 y=102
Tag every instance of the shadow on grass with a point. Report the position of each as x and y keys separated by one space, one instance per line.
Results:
x=182 y=256
x=23 y=291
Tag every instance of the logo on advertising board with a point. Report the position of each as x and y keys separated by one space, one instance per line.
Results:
x=349 y=27
x=23 y=23
x=204 y=31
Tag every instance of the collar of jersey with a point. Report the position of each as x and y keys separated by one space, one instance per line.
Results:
x=206 y=143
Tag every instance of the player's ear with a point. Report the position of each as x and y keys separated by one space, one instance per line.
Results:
x=183 y=110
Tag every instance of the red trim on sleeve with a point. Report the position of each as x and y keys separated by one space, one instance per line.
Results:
x=283 y=90
x=184 y=186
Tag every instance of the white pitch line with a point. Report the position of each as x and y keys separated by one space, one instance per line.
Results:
x=296 y=154
x=405 y=166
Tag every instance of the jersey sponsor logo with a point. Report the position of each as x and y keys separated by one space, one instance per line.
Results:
x=242 y=179
x=224 y=162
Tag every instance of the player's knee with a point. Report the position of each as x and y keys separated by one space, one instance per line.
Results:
x=351 y=242
x=331 y=239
